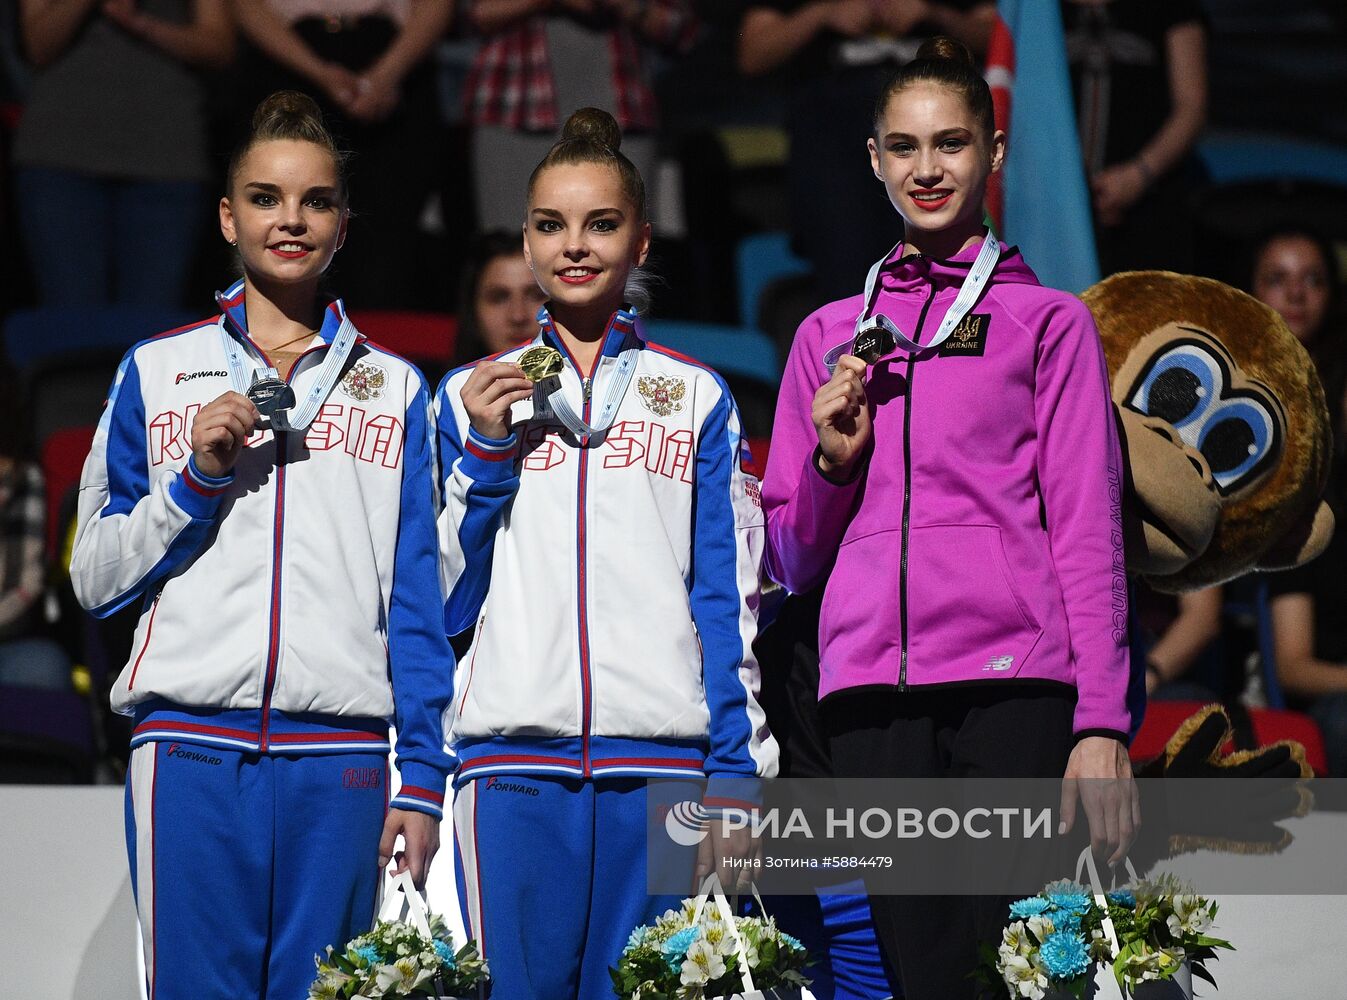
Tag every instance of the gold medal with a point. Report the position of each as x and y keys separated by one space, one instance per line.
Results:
x=540 y=363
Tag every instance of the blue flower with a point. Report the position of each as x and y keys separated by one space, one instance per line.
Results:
x=1064 y=955
x=1027 y=908
x=790 y=941
x=369 y=953
x=1074 y=902
x=446 y=954
x=675 y=950
x=1065 y=920
x=1123 y=897
x=638 y=937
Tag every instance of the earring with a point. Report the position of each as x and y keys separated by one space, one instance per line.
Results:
x=233 y=243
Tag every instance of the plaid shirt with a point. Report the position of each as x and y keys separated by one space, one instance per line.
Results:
x=23 y=535
x=511 y=79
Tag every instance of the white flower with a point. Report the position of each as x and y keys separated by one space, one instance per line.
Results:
x=1025 y=979
x=1192 y=915
x=402 y=976
x=1040 y=927
x=751 y=954
x=1100 y=949
x=1014 y=940
x=1145 y=966
x=703 y=964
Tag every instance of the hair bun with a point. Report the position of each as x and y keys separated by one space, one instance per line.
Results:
x=289 y=107
x=944 y=47
x=593 y=125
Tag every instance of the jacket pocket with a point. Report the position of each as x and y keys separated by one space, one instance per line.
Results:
x=145 y=644
x=967 y=620
x=859 y=617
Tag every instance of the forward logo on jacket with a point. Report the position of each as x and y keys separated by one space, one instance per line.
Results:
x=190 y=376
x=662 y=394
x=364 y=381
x=969 y=338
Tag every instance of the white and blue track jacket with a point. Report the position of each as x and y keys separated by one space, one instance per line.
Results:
x=293 y=606
x=612 y=588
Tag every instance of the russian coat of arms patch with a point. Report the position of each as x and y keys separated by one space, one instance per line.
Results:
x=661 y=394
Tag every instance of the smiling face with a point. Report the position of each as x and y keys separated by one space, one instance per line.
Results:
x=583 y=236
x=285 y=210
x=934 y=159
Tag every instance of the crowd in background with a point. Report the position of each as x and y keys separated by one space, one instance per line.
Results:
x=746 y=117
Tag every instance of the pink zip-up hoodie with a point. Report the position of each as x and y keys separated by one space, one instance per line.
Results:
x=982 y=538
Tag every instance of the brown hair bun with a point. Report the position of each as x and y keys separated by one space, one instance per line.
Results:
x=289 y=114
x=593 y=125
x=944 y=47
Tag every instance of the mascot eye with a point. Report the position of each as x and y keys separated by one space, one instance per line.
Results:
x=1235 y=440
x=1180 y=386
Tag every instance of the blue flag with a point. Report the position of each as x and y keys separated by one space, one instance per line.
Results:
x=1044 y=205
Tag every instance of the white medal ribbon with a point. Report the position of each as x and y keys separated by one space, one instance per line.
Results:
x=558 y=404
x=969 y=293
x=243 y=364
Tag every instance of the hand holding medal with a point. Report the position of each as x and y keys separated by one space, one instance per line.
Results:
x=491 y=389
x=841 y=416
x=218 y=432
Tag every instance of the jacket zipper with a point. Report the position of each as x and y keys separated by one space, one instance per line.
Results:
x=278 y=530
x=472 y=664
x=277 y=550
x=274 y=646
x=586 y=680
x=149 y=630
x=907 y=494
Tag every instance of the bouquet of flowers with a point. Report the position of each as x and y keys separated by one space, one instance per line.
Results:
x=1055 y=940
x=398 y=959
x=698 y=952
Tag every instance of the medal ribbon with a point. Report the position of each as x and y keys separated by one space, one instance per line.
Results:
x=969 y=293
x=242 y=364
x=559 y=405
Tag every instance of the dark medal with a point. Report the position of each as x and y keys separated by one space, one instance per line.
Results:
x=873 y=343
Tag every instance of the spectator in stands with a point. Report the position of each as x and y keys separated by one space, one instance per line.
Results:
x=1173 y=634
x=837 y=55
x=111 y=150
x=1295 y=272
x=541 y=60
x=367 y=62
x=1138 y=70
x=26 y=658
x=499 y=298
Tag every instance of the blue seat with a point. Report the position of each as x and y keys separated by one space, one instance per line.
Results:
x=33 y=336
x=760 y=260
x=730 y=350
x=1237 y=158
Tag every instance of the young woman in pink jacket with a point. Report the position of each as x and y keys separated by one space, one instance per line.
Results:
x=945 y=458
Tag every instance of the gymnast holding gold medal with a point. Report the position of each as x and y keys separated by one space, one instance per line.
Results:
x=601 y=544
